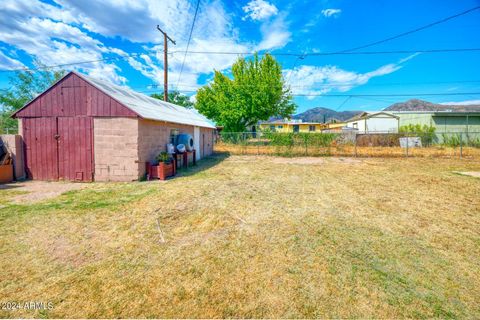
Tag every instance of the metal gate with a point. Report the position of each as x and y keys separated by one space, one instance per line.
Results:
x=59 y=148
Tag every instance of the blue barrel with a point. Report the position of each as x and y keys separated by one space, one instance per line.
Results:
x=185 y=139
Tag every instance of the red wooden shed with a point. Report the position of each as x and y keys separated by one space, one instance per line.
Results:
x=85 y=129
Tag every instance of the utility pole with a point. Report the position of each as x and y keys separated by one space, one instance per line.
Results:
x=165 y=62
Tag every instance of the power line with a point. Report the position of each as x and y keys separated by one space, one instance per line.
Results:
x=294 y=65
x=412 y=31
x=324 y=85
x=386 y=94
x=72 y=63
x=312 y=54
x=188 y=43
x=359 y=95
x=343 y=102
x=292 y=54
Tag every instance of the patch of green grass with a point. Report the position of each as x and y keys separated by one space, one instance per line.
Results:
x=109 y=197
x=254 y=238
x=7 y=195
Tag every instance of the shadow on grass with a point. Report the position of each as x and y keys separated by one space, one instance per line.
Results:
x=202 y=165
x=10 y=185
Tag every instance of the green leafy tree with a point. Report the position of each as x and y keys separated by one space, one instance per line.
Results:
x=24 y=86
x=175 y=97
x=256 y=92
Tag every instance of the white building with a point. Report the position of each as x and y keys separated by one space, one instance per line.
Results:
x=374 y=122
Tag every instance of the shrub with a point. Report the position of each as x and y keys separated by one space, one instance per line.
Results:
x=164 y=157
x=425 y=133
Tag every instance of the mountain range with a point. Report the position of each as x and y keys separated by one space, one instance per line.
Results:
x=421 y=105
x=321 y=114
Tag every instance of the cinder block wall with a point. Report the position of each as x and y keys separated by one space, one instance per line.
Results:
x=116 y=149
x=153 y=139
x=14 y=145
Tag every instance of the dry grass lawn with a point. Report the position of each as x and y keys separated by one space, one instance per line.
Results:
x=251 y=237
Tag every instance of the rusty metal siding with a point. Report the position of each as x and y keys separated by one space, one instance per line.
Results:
x=71 y=97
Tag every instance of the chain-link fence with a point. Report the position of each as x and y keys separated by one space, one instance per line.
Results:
x=8 y=131
x=372 y=144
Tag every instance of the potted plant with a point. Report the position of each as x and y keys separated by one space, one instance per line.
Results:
x=165 y=167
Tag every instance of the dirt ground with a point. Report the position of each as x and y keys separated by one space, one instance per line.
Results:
x=35 y=191
x=251 y=237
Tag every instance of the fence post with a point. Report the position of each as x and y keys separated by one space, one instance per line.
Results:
x=407 y=146
x=258 y=146
x=355 y=145
x=461 y=145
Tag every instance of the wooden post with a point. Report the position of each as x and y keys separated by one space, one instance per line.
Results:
x=461 y=145
x=355 y=144
x=407 y=146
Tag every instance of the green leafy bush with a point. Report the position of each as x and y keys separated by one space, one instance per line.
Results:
x=425 y=133
x=164 y=157
x=451 y=140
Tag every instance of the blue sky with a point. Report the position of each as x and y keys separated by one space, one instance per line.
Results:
x=70 y=31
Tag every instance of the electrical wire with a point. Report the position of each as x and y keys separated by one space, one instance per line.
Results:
x=326 y=95
x=292 y=54
x=331 y=53
x=412 y=31
x=189 y=39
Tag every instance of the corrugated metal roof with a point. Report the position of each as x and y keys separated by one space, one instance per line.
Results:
x=148 y=107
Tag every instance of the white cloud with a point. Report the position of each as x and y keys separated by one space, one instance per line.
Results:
x=65 y=33
x=275 y=34
x=132 y=20
x=331 y=12
x=459 y=103
x=7 y=62
x=408 y=58
x=34 y=27
x=317 y=80
x=213 y=32
x=259 y=10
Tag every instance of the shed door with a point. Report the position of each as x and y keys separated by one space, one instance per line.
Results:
x=41 y=157
x=59 y=148
x=75 y=156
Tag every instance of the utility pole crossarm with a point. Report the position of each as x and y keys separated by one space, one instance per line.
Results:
x=166 y=35
x=166 y=38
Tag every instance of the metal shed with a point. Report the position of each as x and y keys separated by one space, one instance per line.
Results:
x=85 y=129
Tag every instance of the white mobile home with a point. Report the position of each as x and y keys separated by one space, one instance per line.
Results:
x=374 y=122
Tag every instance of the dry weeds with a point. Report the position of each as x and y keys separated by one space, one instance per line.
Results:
x=251 y=237
x=350 y=151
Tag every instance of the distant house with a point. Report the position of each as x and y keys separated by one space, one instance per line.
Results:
x=374 y=122
x=334 y=126
x=291 y=126
x=445 y=118
x=443 y=121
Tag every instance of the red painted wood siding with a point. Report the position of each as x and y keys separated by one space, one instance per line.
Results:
x=59 y=148
x=75 y=148
x=40 y=148
x=72 y=96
